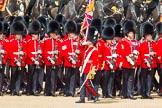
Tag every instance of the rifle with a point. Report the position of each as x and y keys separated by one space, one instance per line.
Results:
x=54 y=57
x=19 y=57
x=150 y=57
x=113 y=59
x=1 y=57
x=75 y=56
x=37 y=58
x=134 y=54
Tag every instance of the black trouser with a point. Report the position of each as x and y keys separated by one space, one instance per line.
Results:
x=97 y=80
x=128 y=82
x=51 y=80
x=1 y=77
x=40 y=78
x=108 y=83
x=60 y=76
x=159 y=68
x=33 y=78
x=146 y=82
x=16 y=78
x=8 y=69
x=117 y=81
x=70 y=80
x=86 y=85
x=155 y=83
x=138 y=80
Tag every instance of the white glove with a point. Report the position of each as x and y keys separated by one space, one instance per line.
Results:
x=84 y=43
x=132 y=63
x=18 y=63
x=135 y=52
x=120 y=65
x=36 y=62
x=152 y=53
x=111 y=66
x=77 y=51
x=73 y=62
x=21 y=53
x=2 y=51
x=114 y=55
x=39 y=52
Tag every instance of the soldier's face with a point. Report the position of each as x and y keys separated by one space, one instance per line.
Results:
x=108 y=41
x=130 y=35
x=149 y=37
x=71 y=35
x=53 y=35
x=1 y=36
x=35 y=36
x=18 y=36
x=89 y=43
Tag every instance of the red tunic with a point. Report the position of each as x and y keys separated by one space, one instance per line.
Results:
x=125 y=48
x=32 y=50
x=4 y=44
x=144 y=53
x=49 y=46
x=68 y=49
x=92 y=60
x=159 y=50
x=100 y=46
x=14 y=48
x=108 y=50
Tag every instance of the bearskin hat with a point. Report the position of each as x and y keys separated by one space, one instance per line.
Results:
x=159 y=28
x=19 y=18
x=97 y=23
x=70 y=27
x=34 y=27
x=92 y=35
x=78 y=20
x=118 y=31
x=18 y=28
x=147 y=28
x=60 y=18
x=10 y=19
x=78 y=28
x=129 y=26
x=1 y=27
x=53 y=27
x=43 y=20
x=109 y=22
x=6 y=29
x=108 y=33
x=28 y=20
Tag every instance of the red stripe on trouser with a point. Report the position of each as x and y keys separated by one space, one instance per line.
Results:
x=90 y=88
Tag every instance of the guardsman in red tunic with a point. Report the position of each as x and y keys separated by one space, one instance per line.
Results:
x=129 y=56
x=118 y=73
x=35 y=48
x=109 y=62
x=3 y=55
x=6 y=33
x=18 y=52
x=100 y=43
x=52 y=57
x=159 y=55
x=89 y=66
x=71 y=52
x=148 y=60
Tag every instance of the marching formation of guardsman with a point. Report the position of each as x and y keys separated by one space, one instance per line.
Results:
x=54 y=51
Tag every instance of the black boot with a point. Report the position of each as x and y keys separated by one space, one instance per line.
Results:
x=80 y=101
